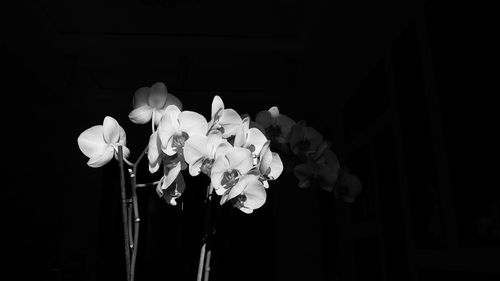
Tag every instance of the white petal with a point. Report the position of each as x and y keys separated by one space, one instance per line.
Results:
x=153 y=152
x=192 y=123
x=240 y=159
x=276 y=167
x=265 y=160
x=101 y=159
x=240 y=136
x=171 y=176
x=195 y=148
x=256 y=195
x=169 y=124
x=195 y=168
x=256 y=138
x=168 y=148
x=217 y=106
x=141 y=115
x=218 y=168
x=229 y=120
x=111 y=130
x=158 y=115
x=91 y=141
x=140 y=97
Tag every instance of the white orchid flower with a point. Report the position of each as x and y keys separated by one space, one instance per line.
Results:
x=250 y=138
x=270 y=165
x=177 y=127
x=99 y=143
x=247 y=195
x=276 y=125
x=225 y=120
x=201 y=151
x=150 y=103
x=229 y=167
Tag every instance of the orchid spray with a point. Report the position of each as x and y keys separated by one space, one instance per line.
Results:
x=238 y=155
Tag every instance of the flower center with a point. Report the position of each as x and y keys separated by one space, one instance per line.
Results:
x=179 y=139
x=206 y=166
x=239 y=201
x=230 y=178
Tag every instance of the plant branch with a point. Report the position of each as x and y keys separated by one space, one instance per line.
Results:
x=133 y=182
x=124 y=211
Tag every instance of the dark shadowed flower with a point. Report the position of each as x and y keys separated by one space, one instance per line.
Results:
x=151 y=102
x=277 y=126
x=322 y=171
x=348 y=188
x=305 y=141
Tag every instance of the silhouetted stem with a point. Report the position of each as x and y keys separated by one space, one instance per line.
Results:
x=124 y=211
x=208 y=201
x=133 y=181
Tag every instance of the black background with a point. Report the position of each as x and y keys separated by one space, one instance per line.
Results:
x=401 y=89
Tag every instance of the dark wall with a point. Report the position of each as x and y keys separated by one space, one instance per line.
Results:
x=396 y=87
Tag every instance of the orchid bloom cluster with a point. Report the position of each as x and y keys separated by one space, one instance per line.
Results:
x=229 y=149
x=313 y=161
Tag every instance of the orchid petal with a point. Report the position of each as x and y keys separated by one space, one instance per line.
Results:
x=154 y=152
x=195 y=168
x=158 y=115
x=91 y=141
x=240 y=159
x=157 y=95
x=141 y=115
x=265 y=160
x=217 y=106
x=140 y=97
x=296 y=133
x=256 y=194
x=256 y=138
x=229 y=120
x=101 y=159
x=195 y=148
x=168 y=148
x=111 y=130
x=192 y=123
x=303 y=172
x=286 y=124
x=276 y=166
x=220 y=165
x=274 y=112
x=314 y=137
x=173 y=100
x=264 y=118
x=171 y=176
x=168 y=124
x=122 y=137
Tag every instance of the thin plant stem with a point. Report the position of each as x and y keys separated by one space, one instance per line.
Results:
x=207 y=265
x=133 y=181
x=208 y=201
x=124 y=211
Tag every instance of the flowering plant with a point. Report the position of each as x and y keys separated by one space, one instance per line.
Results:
x=238 y=155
